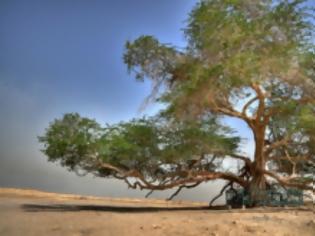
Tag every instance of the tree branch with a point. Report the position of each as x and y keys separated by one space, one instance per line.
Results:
x=247 y=161
x=149 y=193
x=251 y=101
x=220 y=194
x=198 y=176
x=286 y=181
x=279 y=143
x=261 y=97
x=180 y=188
x=292 y=162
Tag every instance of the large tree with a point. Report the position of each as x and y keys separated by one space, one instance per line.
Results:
x=249 y=59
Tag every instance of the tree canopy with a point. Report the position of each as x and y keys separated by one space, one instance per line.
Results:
x=251 y=60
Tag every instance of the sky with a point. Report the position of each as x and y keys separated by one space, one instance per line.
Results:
x=66 y=56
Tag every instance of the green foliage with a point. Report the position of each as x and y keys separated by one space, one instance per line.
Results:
x=142 y=144
x=72 y=141
x=231 y=46
x=147 y=57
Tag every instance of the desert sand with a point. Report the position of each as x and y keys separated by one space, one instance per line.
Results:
x=31 y=212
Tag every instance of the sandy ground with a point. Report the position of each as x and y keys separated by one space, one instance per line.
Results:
x=28 y=212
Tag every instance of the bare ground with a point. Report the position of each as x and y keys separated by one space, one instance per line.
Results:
x=29 y=212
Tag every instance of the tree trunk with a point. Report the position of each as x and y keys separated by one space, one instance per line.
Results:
x=257 y=185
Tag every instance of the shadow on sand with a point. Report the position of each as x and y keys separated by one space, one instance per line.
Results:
x=104 y=208
x=136 y=209
x=133 y=209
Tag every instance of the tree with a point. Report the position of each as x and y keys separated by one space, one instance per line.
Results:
x=251 y=60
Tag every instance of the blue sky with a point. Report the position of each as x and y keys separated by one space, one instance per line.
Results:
x=67 y=55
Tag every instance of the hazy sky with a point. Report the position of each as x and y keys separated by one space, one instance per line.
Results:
x=63 y=56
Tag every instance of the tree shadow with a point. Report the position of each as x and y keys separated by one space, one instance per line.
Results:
x=105 y=208
x=139 y=209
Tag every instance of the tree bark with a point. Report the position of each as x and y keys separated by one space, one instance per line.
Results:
x=258 y=184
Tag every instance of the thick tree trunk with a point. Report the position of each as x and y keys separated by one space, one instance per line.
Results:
x=257 y=185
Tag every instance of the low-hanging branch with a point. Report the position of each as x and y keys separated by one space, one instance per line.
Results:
x=229 y=184
x=181 y=187
x=288 y=182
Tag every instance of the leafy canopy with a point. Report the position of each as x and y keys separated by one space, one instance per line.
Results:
x=144 y=144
